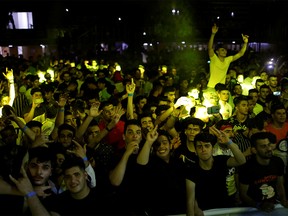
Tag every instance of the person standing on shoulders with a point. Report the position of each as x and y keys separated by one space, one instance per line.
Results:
x=220 y=63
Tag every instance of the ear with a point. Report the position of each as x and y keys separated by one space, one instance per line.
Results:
x=123 y=137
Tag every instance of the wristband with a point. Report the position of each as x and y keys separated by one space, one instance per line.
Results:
x=108 y=129
x=130 y=94
x=229 y=142
x=30 y=194
x=61 y=110
x=24 y=128
x=85 y=159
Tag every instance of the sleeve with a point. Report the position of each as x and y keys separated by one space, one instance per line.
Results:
x=92 y=177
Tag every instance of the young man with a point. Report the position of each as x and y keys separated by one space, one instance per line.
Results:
x=39 y=169
x=78 y=199
x=223 y=94
x=163 y=176
x=220 y=63
x=206 y=180
x=123 y=172
x=36 y=108
x=261 y=178
x=186 y=151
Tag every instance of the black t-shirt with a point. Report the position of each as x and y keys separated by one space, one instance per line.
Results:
x=164 y=186
x=262 y=180
x=211 y=190
x=93 y=204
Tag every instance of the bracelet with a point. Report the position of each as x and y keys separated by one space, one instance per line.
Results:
x=85 y=159
x=108 y=129
x=130 y=94
x=61 y=110
x=30 y=194
x=229 y=142
x=24 y=128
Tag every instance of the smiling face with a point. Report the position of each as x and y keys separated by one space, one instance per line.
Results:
x=163 y=147
x=75 y=180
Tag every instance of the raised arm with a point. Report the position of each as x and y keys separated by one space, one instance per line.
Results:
x=93 y=113
x=60 y=115
x=10 y=77
x=239 y=158
x=116 y=175
x=243 y=49
x=26 y=130
x=144 y=154
x=26 y=189
x=130 y=89
x=211 y=40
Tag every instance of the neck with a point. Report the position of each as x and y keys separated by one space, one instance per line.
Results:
x=240 y=117
x=207 y=164
x=278 y=124
x=81 y=194
x=262 y=161
x=190 y=146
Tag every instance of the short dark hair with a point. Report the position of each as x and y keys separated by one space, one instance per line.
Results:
x=34 y=90
x=205 y=137
x=42 y=154
x=66 y=127
x=277 y=106
x=239 y=99
x=161 y=133
x=264 y=86
x=131 y=122
x=194 y=121
x=220 y=45
x=220 y=87
x=254 y=90
x=73 y=161
x=262 y=135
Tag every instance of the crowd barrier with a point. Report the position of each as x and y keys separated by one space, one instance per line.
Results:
x=245 y=211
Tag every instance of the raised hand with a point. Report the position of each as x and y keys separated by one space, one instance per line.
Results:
x=214 y=28
x=41 y=140
x=78 y=150
x=152 y=135
x=94 y=110
x=42 y=191
x=176 y=142
x=23 y=183
x=221 y=135
x=118 y=112
x=130 y=88
x=132 y=147
x=63 y=98
x=245 y=38
x=9 y=75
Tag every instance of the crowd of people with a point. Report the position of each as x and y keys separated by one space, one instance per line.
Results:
x=87 y=137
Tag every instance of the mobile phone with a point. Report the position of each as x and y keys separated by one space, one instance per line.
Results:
x=277 y=93
x=213 y=110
